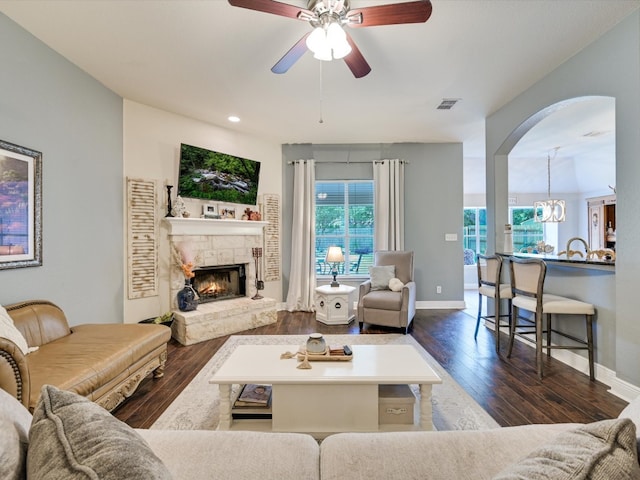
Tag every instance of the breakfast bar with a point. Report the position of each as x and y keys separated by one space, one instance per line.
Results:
x=588 y=280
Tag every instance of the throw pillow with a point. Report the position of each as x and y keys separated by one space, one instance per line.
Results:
x=13 y=449
x=632 y=411
x=74 y=438
x=9 y=331
x=380 y=276
x=600 y=450
x=15 y=421
x=395 y=285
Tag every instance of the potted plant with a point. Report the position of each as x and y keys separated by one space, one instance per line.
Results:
x=164 y=319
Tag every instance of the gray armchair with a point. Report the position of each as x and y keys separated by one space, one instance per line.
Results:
x=384 y=306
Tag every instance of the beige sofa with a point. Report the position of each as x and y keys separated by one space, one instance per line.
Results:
x=604 y=450
x=104 y=363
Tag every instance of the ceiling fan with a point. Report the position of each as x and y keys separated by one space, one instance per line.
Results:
x=328 y=40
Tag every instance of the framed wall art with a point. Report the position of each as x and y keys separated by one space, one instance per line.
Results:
x=20 y=206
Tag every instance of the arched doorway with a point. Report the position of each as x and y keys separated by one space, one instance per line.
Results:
x=579 y=135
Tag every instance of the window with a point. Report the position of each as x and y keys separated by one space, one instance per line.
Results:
x=526 y=231
x=344 y=217
x=475 y=229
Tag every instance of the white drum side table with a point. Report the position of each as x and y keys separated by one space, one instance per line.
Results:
x=334 y=305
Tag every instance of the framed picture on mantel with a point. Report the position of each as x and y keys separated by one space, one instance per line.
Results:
x=227 y=211
x=210 y=210
x=20 y=206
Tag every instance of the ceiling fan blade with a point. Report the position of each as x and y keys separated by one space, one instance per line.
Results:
x=355 y=60
x=392 y=14
x=292 y=56
x=271 y=6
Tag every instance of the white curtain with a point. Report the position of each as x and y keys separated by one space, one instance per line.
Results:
x=388 y=185
x=302 y=277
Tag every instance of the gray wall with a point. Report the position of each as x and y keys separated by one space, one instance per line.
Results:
x=610 y=66
x=48 y=104
x=433 y=205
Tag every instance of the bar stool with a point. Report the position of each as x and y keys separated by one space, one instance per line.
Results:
x=489 y=272
x=527 y=285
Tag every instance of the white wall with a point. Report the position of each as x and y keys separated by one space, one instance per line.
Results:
x=152 y=141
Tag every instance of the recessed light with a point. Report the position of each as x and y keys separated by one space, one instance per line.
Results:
x=233 y=118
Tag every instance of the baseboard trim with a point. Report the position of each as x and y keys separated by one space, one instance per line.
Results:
x=442 y=305
x=621 y=388
x=420 y=305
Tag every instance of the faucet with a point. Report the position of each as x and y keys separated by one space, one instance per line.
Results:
x=570 y=252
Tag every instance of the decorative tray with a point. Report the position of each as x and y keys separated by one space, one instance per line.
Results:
x=323 y=357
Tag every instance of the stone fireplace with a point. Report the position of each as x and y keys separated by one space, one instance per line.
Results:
x=222 y=249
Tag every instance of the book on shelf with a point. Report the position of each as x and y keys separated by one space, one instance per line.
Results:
x=251 y=416
x=254 y=395
x=241 y=404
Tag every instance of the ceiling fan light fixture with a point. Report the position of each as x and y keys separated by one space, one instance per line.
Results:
x=333 y=15
x=328 y=38
x=341 y=51
x=335 y=34
x=337 y=38
x=317 y=39
x=323 y=53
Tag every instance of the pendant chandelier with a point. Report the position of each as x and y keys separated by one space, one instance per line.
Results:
x=549 y=210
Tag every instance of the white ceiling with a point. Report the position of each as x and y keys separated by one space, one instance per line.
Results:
x=209 y=60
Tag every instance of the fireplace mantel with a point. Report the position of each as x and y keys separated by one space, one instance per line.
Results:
x=206 y=226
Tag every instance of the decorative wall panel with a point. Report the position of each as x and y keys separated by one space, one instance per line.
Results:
x=271 y=214
x=142 y=238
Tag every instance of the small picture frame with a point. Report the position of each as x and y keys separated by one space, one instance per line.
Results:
x=227 y=211
x=210 y=209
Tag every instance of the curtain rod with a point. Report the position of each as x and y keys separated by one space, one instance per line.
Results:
x=292 y=162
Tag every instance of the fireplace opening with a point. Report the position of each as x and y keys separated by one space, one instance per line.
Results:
x=219 y=283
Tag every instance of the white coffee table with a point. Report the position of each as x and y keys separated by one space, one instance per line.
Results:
x=331 y=396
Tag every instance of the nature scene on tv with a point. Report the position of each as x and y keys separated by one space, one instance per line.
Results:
x=210 y=175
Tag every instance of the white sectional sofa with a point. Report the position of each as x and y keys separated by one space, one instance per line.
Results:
x=70 y=437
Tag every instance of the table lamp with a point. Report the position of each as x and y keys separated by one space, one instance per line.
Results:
x=334 y=256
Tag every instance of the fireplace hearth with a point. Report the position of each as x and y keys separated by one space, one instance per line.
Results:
x=222 y=282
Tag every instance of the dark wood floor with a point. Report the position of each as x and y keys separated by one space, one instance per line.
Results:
x=506 y=388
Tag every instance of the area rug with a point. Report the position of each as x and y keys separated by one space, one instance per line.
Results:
x=196 y=408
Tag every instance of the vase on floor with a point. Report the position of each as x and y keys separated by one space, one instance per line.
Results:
x=187 y=298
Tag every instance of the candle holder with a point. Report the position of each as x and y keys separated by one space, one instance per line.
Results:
x=169 y=208
x=256 y=252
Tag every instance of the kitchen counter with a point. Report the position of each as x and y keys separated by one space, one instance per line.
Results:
x=574 y=261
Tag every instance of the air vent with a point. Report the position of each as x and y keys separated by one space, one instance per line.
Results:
x=447 y=103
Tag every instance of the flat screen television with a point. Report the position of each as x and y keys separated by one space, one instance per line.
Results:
x=217 y=176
